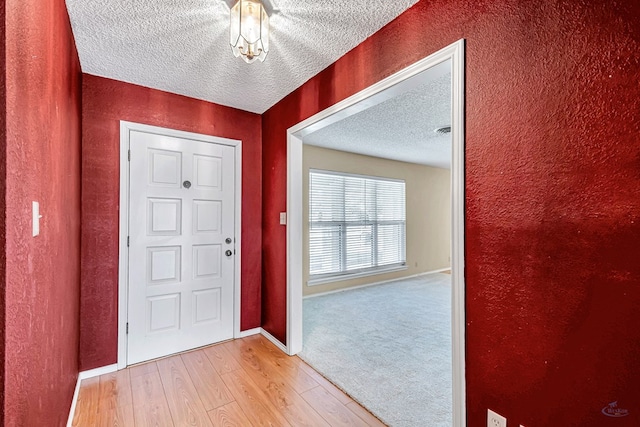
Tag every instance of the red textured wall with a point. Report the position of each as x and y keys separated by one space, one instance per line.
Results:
x=552 y=197
x=105 y=103
x=3 y=210
x=42 y=164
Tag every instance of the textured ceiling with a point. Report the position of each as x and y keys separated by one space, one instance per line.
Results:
x=400 y=128
x=182 y=46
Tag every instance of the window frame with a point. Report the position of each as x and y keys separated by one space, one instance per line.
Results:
x=344 y=274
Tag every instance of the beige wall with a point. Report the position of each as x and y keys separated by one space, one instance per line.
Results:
x=428 y=211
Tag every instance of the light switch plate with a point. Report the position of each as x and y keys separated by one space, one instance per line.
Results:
x=283 y=218
x=36 y=218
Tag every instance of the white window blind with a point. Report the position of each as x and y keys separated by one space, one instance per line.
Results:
x=356 y=224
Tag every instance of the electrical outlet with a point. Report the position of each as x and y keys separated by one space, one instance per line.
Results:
x=495 y=420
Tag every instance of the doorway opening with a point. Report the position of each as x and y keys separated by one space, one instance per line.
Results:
x=452 y=58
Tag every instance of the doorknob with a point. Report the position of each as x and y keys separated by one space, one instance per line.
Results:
x=228 y=252
x=227 y=240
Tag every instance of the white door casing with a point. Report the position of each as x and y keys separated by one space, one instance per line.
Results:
x=182 y=258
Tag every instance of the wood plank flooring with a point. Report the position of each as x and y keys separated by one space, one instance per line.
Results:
x=244 y=383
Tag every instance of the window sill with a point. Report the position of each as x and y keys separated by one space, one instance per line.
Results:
x=349 y=276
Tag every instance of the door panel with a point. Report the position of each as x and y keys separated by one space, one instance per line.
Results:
x=181 y=280
x=165 y=168
x=207 y=216
x=164 y=264
x=164 y=217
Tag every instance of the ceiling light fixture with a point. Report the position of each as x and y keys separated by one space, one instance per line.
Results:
x=249 y=35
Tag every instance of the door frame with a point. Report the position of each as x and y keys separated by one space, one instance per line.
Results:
x=123 y=257
x=378 y=92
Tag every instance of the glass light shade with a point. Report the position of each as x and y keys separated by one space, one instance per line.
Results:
x=249 y=34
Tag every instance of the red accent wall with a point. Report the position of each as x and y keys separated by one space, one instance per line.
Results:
x=552 y=197
x=3 y=205
x=42 y=282
x=105 y=103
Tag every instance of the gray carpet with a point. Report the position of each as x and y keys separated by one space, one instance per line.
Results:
x=388 y=347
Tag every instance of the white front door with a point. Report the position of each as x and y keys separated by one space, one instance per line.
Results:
x=181 y=248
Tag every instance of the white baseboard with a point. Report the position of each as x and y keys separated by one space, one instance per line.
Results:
x=249 y=332
x=383 y=282
x=74 y=402
x=84 y=375
x=98 y=371
x=273 y=339
x=440 y=270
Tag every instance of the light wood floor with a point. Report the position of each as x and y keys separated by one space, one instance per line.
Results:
x=247 y=382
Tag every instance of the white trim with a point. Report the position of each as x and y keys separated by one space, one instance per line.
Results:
x=458 y=322
x=382 y=282
x=273 y=339
x=74 y=403
x=123 y=252
x=125 y=129
x=238 y=237
x=98 y=371
x=349 y=276
x=294 y=244
x=406 y=79
x=250 y=332
x=425 y=70
x=83 y=376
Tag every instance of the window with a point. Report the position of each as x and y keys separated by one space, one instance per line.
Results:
x=356 y=224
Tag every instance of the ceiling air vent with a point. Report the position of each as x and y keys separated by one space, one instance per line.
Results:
x=443 y=130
